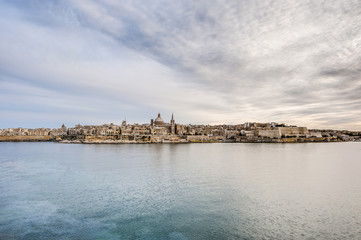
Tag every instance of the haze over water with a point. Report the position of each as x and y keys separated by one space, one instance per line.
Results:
x=180 y=191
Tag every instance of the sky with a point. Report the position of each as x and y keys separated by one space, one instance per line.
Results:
x=208 y=62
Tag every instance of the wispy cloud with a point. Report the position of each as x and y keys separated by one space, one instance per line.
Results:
x=209 y=62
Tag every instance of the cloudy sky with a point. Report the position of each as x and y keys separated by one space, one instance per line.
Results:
x=95 y=62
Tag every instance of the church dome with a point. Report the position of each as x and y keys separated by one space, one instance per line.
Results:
x=159 y=120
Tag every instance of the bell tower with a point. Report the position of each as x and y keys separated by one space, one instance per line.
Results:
x=172 y=125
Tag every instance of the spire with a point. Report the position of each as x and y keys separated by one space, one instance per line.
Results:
x=172 y=125
x=172 y=120
x=158 y=114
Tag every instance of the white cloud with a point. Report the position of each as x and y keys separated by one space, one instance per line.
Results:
x=225 y=61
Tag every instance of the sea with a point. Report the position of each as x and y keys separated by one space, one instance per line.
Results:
x=180 y=191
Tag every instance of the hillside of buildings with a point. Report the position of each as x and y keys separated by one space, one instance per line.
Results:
x=158 y=131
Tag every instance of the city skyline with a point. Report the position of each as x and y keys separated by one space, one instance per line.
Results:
x=225 y=62
x=160 y=131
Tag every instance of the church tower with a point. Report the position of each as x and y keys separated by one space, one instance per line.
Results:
x=172 y=125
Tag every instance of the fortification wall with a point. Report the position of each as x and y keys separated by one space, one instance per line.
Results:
x=270 y=133
x=25 y=138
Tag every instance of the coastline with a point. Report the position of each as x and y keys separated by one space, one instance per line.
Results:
x=163 y=141
x=26 y=138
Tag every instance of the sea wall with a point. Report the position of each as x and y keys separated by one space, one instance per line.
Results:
x=26 y=138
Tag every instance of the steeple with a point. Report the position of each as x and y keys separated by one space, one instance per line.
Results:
x=172 y=120
x=172 y=125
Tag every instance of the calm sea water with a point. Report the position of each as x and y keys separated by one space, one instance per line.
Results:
x=180 y=191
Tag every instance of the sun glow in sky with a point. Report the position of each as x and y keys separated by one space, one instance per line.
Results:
x=209 y=62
